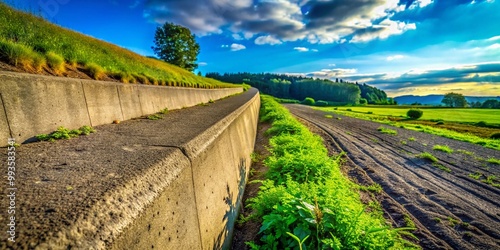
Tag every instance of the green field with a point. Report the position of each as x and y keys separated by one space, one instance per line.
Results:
x=459 y=124
x=491 y=116
x=35 y=45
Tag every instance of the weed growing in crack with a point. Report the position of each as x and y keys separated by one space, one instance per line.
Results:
x=64 y=133
x=155 y=117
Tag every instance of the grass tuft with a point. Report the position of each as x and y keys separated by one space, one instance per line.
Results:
x=440 y=166
x=164 y=111
x=16 y=54
x=428 y=156
x=95 y=71
x=39 y=62
x=64 y=133
x=385 y=130
x=476 y=175
x=56 y=62
x=465 y=152
x=493 y=160
x=155 y=117
x=443 y=148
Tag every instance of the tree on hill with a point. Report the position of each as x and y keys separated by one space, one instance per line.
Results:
x=176 y=45
x=454 y=100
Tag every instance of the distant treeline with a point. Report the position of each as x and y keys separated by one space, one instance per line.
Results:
x=299 y=87
x=488 y=104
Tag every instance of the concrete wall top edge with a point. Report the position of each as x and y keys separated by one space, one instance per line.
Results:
x=59 y=78
x=200 y=142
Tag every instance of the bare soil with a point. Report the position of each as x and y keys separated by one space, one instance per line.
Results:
x=76 y=71
x=450 y=210
x=247 y=231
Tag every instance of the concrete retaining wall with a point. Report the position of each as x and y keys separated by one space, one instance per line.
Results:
x=34 y=104
x=198 y=208
x=188 y=200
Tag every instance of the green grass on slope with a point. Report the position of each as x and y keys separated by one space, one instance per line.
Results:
x=32 y=43
x=307 y=203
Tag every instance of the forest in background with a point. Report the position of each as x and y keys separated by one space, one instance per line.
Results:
x=337 y=92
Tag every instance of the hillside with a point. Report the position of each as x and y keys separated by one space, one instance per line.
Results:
x=31 y=44
x=436 y=99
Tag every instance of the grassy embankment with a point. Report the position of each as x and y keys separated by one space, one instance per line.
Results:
x=306 y=202
x=437 y=119
x=35 y=45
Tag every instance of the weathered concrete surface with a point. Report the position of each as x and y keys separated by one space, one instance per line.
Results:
x=138 y=184
x=4 y=125
x=103 y=102
x=38 y=104
x=41 y=104
x=129 y=101
x=220 y=161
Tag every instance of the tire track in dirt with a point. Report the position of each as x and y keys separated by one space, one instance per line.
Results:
x=468 y=210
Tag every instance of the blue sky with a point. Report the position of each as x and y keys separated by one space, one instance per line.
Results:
x=401 y=46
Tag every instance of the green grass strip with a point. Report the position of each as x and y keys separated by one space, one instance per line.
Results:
x=307 y=202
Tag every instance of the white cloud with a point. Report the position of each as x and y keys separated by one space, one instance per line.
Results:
x=234 y=46
x=261 y=40
x=301 y=49
x=495 y=38
x=247 y=35
x=332 y=73
x=202 y=64
x=237 y=37
x=278 y=21
x=383 y=30
x=395 y=57
x=304 y=49
x=421 y=3
x=495 y=46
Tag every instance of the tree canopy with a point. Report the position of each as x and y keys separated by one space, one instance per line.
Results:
x=176 y=45
x=491 y=104
x=374 y=95
x=299 y=87
x=454 y=100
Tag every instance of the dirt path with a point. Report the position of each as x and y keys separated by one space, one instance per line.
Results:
x=450 y=210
